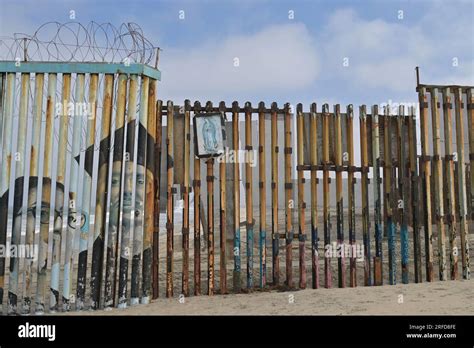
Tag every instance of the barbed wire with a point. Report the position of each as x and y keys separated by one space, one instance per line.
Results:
x=75 y=42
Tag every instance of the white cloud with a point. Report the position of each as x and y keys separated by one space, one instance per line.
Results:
x=380 y=53
x=285 y=59
x=384 y=54
x=277 y=58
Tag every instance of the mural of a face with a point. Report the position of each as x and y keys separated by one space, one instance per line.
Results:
x=139 y=202
x=31 y=208
x=32 y=212
x=115 y=199
x=58 y=211
x=73 y=216
x=127 y=204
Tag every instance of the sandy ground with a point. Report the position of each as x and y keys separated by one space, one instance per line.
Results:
x=438 y=298
x=450 y=297
x=443 y=298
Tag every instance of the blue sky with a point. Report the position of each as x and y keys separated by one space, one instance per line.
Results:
x=283 y=59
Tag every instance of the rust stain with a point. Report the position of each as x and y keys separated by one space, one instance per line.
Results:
x=9 y=162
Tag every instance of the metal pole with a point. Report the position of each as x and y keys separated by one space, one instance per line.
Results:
x=351 y=181
x=415 y=191
x=301 y=202
x=326 y=197
x=288 y=198
x=101 y=198
x=426 y=177
x=248 y=193
x=403 y=164
x=237 y=253
x=223 y=227
x=470 y=120
x=197 y=218
x=73 y=215
x=464 y=230
x=387 y=180
x=275 y=234
x=32 y=189
x=186 y=188
x=59 y=196
x=157 y=174
x=339 y=200
x=263 y=196
x=451 y=215
x=86 y=192
x=18 y=192
x=127 y=210
x=6 y=169
x=115 y=193
x=169 y=198
x=210 y=226
x=365 y=194
x=140 y=191
x=314 y=196
x=45 y=195
x=378 y=259
x=149 y=227
x=2 y=105
x=438 y=180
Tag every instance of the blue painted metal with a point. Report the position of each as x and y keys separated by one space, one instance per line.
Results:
x=391 y=251
x=404 y=251
x=378 y=240
x=249 y=255
x=237 y=260
x=80 y=68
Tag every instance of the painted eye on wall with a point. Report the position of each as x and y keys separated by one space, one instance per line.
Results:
x=83 y=220
x=44 y=215
x=71 y=220
x=31 y=211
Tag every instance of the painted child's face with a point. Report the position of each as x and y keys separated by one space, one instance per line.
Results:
x=115 y=197
x=140 y=196
x=44 y=213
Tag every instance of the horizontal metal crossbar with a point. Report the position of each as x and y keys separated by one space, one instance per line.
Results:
x=79 y=68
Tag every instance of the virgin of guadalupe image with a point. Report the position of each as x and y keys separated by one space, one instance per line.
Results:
x=209 y=134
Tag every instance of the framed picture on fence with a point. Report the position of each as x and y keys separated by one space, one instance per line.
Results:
x=209 y=135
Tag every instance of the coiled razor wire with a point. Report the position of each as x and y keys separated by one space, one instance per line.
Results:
x=74 y=42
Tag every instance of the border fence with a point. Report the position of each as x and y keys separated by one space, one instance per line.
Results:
x=92 y=196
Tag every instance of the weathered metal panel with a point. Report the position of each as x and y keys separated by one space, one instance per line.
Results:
x=72 y=196
x=102 y=188
x=32 y=189
x=59 y=195
x=115 y=192
x=149 y=197
x=20 y=161
x=127 y=209
x=46 y=195
x=86 y=192
x=140 y=184
x=178 y=144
